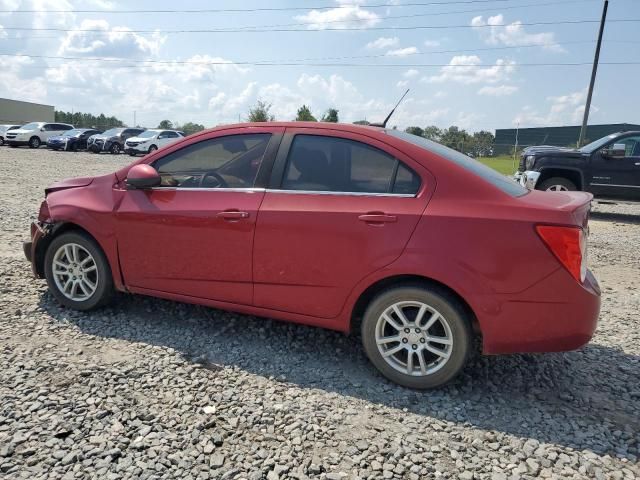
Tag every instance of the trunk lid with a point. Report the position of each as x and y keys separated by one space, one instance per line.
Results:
x=562 y=208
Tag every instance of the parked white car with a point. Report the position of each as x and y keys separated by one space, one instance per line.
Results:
x=151 y=140
x=35 y=134
x=4 y=129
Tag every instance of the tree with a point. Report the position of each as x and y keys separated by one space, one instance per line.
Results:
x=361 y=122
x=330 y=115
x=87 y=120
x=455 y=138
x=482 y=143
x=260 y=112
x=432 y=133
x=305 y=115
x=415 y=131
x=166 y=124
x=190 y=128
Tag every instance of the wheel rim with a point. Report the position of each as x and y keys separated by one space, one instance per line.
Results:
x=557 y=188
x=35 y=142
x=414 y=338
x=75 y=272
x=115 y=148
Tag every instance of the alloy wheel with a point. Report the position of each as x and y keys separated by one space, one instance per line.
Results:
x=75 y=272
x=414 y=338
x=557 y=188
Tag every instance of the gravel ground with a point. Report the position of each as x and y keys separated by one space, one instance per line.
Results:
x=151 y=389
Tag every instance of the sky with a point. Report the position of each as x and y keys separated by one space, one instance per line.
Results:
x=470 y=63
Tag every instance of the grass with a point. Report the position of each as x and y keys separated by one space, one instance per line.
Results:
x=502 y=163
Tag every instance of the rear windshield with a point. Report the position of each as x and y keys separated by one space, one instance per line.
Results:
x=496 y=179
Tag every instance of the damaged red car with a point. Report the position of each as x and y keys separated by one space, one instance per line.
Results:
x=426 y=251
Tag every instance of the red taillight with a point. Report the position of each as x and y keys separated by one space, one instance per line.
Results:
x=569 y=245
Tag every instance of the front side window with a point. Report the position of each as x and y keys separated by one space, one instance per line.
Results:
x=332 y=164
x=225 y=162
x=631 y=146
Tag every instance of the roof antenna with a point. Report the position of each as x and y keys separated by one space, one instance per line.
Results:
x=384 y=124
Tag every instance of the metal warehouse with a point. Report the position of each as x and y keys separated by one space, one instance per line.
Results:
x=15 y=111
x=507 y=138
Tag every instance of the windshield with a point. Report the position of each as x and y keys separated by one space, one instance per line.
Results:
x=488 y=174
x=30 y=126
x=113 y=132
x=147 y=134
x=72 y=133
x=593 y=146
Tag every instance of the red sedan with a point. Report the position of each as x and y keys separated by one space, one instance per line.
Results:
x=339 y=226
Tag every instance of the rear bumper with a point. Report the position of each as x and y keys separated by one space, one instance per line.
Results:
x=555 y=315
x=38 y=231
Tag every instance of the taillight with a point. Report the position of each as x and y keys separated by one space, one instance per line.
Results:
x=569 y=245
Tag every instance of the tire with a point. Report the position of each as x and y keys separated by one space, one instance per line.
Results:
x=557 y=184
x=448 y=322
x=34 y=142
x=132 y=154
x=152 y=149
x=1 y=141
x=115 y=149
x=93 y=287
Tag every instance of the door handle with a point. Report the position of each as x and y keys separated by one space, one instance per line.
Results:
x=375 y=217
x=232 y=215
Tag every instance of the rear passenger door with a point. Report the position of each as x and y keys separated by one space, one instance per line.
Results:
x=340 y=206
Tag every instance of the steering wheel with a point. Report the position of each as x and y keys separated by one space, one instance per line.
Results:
x=221 y=181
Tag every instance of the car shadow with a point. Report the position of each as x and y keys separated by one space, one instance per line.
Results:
x=552 y=398
x=615 y=217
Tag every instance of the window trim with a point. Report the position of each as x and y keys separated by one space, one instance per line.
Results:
x=279 y=168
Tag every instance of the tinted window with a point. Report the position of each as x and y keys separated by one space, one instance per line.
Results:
x=332 y=164
x=488 y=174
x=171 y=135
x=226 y=162
x=631 y=146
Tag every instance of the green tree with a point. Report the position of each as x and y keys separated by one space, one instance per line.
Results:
x=260 y=112
x=331 y=115
x=190 y=128
x=166 y=124
x=305 y=115
x=415 y=131
x=87 y=120
x=482 y=143
x=455 y=138
x=432 y=133
x=361 y=122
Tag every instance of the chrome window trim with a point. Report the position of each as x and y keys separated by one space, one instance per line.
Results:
x=613 y=185
x=353 y=194
x=212 y=189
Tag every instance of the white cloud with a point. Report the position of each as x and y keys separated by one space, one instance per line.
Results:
x=498 y=90
x=384 y=42
x=402 y=83
x=466 y=69
x=345 y=16
x=494 y=31
x=562 y=110
x=440 y=94
x=403 y=52
x=411 y=73
x=431 y=43
x=109 y=41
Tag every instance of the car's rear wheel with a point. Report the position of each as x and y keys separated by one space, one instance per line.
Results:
x=417 y=336
x=77 y=272
x=115 y=148
x=558 y=184
x=34 y=142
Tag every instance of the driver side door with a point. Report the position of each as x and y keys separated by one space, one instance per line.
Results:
x=193 y=235
x=617 y=177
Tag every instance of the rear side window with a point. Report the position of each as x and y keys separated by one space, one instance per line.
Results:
x=499 y=181
x=330 y=164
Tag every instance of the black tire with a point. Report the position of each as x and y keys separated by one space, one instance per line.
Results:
x=454 y=316
x=1 y=141
x=115 y=148
x=34 y=142
x=132 y=154
x=104 y=286
x=560 y=183
x=152 y=149
x=13 y=146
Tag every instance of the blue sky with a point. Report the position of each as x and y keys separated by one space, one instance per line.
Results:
x=491 y=86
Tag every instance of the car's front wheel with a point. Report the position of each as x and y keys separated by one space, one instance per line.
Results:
x=115 y=148
x=34 y=142
x=152 y=149
x=558 y=184
x=1 y=141
x=417 y=336
x=77 y=272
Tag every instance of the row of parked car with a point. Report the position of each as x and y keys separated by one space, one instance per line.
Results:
x=62 y=136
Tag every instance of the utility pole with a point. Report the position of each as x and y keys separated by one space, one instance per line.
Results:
x=134 y=118
x=585 y=118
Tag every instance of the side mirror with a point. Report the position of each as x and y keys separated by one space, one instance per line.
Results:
x=42 y=129
x=617 y=150
x=142 y=176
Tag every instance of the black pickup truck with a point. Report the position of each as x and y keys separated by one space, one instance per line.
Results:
x=609 y=167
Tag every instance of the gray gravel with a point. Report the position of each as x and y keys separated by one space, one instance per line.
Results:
x=151 y=389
